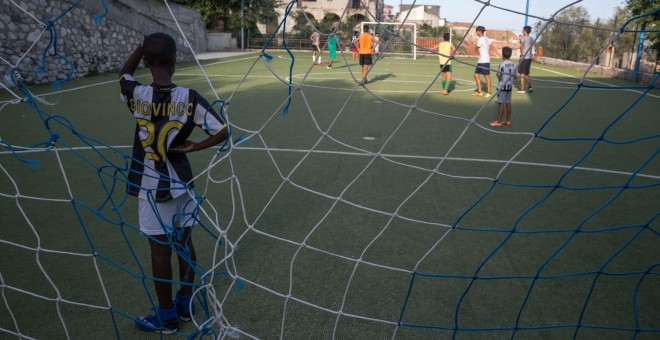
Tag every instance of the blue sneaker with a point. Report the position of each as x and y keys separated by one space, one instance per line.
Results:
x=165 y=321
x=183 y=307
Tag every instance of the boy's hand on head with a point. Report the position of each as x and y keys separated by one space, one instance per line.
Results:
x=186 y=147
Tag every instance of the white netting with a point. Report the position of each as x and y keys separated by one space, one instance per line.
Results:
x=312 y=228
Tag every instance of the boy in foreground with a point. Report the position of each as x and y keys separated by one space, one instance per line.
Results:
x=160 y=175
x=506 y=76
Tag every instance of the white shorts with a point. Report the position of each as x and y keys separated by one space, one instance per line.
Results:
x=177 y=213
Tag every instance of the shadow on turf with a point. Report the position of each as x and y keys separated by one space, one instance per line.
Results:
x=381 y=77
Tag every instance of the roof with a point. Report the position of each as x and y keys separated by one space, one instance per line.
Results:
x=459 y=24
x=434 y=9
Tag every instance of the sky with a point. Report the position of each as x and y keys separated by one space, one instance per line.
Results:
x=467 y=10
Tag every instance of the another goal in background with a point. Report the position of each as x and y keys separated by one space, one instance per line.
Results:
x=397 y=40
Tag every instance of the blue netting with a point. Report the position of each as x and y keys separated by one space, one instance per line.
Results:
x=112 y=165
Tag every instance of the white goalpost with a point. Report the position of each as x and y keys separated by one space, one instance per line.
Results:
x=397 y=39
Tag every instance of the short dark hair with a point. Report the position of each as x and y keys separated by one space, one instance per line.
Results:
x=506 y=52
x=159 y=49
x=366 y=28
x=481 y=29
x=527 y=29
x=446 y=36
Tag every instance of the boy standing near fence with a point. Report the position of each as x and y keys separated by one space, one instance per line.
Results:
x=526 y=51
x=506 y=75
x=160 y=175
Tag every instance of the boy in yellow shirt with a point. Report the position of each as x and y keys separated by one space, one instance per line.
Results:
x=447 y=52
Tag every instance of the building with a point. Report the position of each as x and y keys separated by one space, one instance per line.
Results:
x=499 y=38
x=388 y=14
x=332 y=10
x=421 y=14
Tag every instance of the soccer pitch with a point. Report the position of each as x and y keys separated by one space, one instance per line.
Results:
x=347 y=211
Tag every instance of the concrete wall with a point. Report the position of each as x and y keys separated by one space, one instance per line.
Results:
x=89 y=48
x=643 y=77
x=216 y=42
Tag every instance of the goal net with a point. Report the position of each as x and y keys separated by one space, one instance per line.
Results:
x=397 y=40
x=342 y=210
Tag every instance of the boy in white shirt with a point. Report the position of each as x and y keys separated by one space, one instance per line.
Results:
x=483 y=64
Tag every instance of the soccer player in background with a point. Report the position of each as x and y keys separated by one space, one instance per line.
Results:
x=446 y=50
x=333 y=41
x=354 y=49
x=160 y=175
x=483 y=64
x=316 y=46
x=365 y=45
x=526 y=51
x=506 y=75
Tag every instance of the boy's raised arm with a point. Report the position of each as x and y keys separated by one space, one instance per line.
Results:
x=132 y=62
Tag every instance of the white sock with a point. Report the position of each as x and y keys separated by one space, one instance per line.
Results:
x=319 y=59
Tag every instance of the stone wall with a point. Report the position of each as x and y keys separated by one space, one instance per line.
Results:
x=89 y=48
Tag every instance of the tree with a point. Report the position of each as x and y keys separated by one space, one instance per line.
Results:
x=573 y=36
x=226 y=15
x=563 y=39
x=301 y=28
x=426 y=30
x=639 y=7
x=626 y=40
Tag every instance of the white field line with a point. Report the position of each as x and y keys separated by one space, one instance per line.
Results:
x=595 y=81
x=117 y=80
x=22 y=150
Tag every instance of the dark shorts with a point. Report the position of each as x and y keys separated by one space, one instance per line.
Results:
x=365 y=59
x=504 y=97
x=445 y=68
x=316 y=48
x=482 y=68
x=524 y=65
